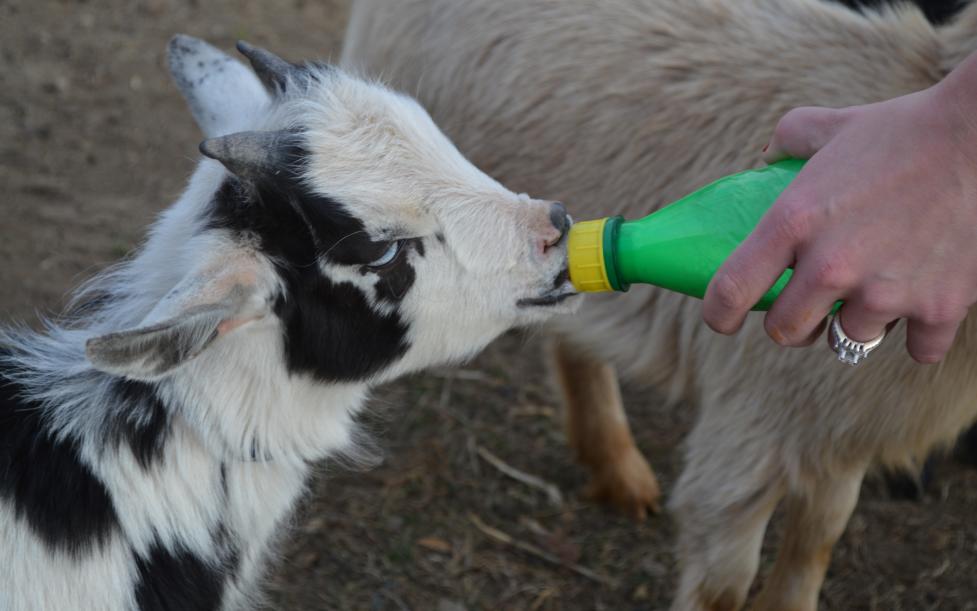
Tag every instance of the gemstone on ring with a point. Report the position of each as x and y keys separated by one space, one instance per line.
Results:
x=849 y=351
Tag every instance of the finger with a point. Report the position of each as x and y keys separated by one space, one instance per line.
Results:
x=863 y=324
x=929 y=343
x=743 y=279
x=813 y=336
x=758 y=262
x=802 y=132
x=800 y=313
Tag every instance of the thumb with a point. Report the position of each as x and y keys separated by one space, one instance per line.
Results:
x=802 y=132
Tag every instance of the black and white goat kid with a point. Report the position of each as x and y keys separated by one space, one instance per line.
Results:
x=153 y=443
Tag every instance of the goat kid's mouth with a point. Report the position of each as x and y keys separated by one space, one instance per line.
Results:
x=545 y=300
x=562 y=290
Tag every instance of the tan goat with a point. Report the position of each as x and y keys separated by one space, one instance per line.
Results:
x=619 y=106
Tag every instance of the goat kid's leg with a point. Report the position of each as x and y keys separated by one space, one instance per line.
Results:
x=815 y=521
x=722 y=504
x=598 y=432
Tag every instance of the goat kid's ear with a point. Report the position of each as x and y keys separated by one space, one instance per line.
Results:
x=198 y=311
x=150 y=352
x=223 y=95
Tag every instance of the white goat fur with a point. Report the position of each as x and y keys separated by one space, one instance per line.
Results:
x=243 y=429
x=619 y=106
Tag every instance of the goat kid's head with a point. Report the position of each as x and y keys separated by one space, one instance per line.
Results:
x=333 y=213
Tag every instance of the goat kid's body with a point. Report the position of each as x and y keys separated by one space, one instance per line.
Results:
x=123 y=494
x=630 y=104
x=153 y=444
x=176 y=529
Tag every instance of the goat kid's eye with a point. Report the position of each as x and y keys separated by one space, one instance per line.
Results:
x=388 y=256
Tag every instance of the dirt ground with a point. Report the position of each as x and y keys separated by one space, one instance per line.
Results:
x=95 y=141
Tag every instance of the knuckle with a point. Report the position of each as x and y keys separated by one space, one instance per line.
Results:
x=879 y=302
x=833 y=272
x=794 y=219
x=824 y=119
x=941 y=313
x=730 y=292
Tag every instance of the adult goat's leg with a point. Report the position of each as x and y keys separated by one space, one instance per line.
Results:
x=815 y=521
x=722 y=503
x=598 y=432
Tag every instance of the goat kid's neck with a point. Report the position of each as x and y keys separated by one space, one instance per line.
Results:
x=246 y=406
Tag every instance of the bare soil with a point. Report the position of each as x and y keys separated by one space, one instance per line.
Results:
x=95 y=141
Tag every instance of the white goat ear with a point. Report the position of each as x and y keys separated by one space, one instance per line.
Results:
x=199 y=310
x=224 y=95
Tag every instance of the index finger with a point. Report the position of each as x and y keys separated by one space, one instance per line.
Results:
x=747 y=275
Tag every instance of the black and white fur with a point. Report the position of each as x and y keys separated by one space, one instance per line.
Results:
x=153 y=443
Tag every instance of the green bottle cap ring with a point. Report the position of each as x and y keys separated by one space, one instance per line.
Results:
x=611 y=229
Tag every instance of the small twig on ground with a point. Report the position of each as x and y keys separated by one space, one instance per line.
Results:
x=534 y=527
x=529 y=548
x=549 y=489
x=574 y=508
x=472 y=448
x=534 y=410
x=541 y=599
x=393 y=598
x=446 y=393
x=934 y=573
x=473 y=375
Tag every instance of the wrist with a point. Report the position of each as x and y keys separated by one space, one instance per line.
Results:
x=953 y=101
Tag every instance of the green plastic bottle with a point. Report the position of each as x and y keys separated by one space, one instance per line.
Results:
x=681 y=246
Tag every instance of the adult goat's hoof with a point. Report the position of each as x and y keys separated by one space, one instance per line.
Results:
x=628 y=484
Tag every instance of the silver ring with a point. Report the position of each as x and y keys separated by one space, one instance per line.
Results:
x=849 y=351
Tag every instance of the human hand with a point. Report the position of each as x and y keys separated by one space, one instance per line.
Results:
x=883 y=216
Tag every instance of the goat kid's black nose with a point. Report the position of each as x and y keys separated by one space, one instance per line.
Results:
x=558 y=216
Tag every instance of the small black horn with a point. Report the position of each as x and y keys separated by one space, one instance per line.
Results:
x=271 y=69
x=249 y=155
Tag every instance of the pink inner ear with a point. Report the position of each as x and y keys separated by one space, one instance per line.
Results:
x=229 y=325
